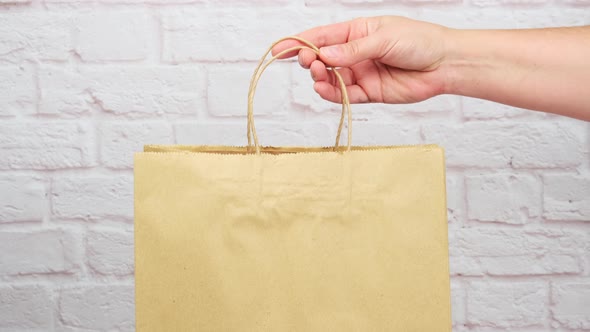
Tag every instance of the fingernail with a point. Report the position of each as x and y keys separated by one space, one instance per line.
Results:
x=331 y=51
x=303 y=64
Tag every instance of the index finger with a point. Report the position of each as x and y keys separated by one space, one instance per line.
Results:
x=326 y=35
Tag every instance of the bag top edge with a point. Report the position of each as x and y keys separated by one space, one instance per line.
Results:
x=227 y=149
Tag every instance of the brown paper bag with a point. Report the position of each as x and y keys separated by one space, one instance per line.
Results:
x=291 y=239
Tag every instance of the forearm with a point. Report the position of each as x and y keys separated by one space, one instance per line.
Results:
x=540 y=69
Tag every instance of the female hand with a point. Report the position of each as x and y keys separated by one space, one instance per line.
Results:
x=382 y=59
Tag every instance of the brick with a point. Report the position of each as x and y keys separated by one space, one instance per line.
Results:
x=507 y=198
x=511 y=252
x=524 y=265
x=227 y=41
x=455 y=197
x=34 y=36
x=566 y=197
x=491 y=18
x=465 y=266
x=424 y=2
x=489 y=242
x=110 y=252
x=22 y=198
x=291 y=133
x=109 y=36
x=269 y=133
x=169 y=2
x=463 y=328
x=571 y=304
x=458 y=303
x=370 y=134
x=93 y=197
x=508 y=2
x=18 y=91
x=481 y=109
x=136 y=91
x=45 y=145
x=193 y=133
x=364 y=10
x=507 y=304
x=550 y=17
x=191 y=35
x=328 y=2
x=228 y=90
x=64 y=91
x=27 y=308
x=531 y=265
x=149 y=91
x=500 y=145
x=38 y=252
x=500 y=18
x=157 y=2
x=119 y=141
x=109 y=307
x=577 y=2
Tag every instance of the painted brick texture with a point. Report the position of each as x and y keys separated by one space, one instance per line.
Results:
x=84 y=84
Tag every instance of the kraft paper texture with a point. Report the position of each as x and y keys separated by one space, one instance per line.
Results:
x=293 y=239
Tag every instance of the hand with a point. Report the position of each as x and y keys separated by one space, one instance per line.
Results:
x=385 y=59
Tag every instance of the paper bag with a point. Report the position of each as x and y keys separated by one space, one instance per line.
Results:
x=291 y=239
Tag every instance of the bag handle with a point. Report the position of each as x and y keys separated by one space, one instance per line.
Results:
x=262 y=67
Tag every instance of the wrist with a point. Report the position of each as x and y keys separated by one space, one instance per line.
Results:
x=453 y=62
x=465 y=62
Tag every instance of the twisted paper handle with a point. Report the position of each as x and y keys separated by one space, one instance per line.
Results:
x=262 y=67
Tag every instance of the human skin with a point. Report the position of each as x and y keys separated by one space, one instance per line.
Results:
x=391 y=59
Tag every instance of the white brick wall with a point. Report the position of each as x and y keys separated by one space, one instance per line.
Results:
x=83 y=84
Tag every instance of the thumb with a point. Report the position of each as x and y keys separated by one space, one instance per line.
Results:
x=355 y=51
